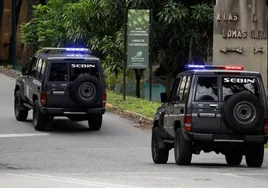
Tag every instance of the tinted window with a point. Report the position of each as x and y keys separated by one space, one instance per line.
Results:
x=43 y=69
x=180 y=90
x=233 y=85
x=186 y=89
x=39 y=67
x=81 y=69
x=34 y=67
x=58 y=72
x=207 y=89
x=174 y=89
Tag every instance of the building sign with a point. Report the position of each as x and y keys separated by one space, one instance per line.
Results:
x=237 y=33
x=138 y=29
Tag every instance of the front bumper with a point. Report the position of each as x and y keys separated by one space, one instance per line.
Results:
x=224 y=138
x=71 y=111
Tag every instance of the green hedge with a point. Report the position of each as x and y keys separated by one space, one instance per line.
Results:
x=140 y=106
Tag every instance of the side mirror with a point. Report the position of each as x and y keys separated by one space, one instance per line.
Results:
x=24 y=71
x=163 y=97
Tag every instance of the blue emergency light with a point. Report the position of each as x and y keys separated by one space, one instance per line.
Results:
x=77 y=49
x=68 y=50
x=216 y=67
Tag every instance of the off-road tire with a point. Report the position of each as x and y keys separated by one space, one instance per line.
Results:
x=160 y=156
x=253 y=109
x=95 y=122
x=233 y=159
x=86 y=91
x=255 y=155
x=182 y=149
x=20 y=114
x=40 y=120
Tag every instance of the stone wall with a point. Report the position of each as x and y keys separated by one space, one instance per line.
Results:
x=240 y=34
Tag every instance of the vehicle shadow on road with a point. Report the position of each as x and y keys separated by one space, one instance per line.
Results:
x=67 y=126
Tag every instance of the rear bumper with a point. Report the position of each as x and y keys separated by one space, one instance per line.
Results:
x=226 y=138
x=67 y=111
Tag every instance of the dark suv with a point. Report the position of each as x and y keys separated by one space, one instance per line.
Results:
x=212 y=108
x=61 y=82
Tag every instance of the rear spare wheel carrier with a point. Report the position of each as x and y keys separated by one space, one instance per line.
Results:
x=86 y=90
x=243 y=112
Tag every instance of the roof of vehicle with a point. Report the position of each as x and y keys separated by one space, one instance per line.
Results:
x=49 y=53
x=215 y=71
x=63 y=56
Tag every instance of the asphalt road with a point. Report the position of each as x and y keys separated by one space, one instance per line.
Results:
x=68 y=155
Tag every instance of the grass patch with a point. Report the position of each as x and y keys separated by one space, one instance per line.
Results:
x=266 y=145
x=140 y=106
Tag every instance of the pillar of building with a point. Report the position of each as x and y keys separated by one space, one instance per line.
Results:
x=240 y=35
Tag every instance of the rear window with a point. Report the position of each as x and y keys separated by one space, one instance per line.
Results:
x=59 y=71
x=233 y=85
x=81 y=69
x=207 y=89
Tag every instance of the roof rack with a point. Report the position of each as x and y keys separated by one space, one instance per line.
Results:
x=74 y=50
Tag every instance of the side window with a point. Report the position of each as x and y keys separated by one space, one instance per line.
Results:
x=43 y=69
x=187 y=88
x=39 y=67
x=180 y=90
x=174 y=89
x=207 y=89
x=34 y=67
x=58 y=72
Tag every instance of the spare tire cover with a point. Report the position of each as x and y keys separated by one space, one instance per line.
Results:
x=86 y=90
x=243 y=112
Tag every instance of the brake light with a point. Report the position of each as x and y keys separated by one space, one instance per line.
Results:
x=266 y=125
x=43 y=99
x=104 y=97
x=188 y=122
x=219 y=67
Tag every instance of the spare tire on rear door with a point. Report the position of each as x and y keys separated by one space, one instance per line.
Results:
x=243 y=112
x=86 y=90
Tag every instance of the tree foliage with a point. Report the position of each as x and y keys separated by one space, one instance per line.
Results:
x=182 y=30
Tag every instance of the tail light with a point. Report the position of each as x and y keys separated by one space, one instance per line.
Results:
x=266 y=125
x=104 y=97
x=43 y=99
x=188 y=122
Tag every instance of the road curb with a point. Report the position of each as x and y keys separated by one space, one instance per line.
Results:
x=144 y=121
x=142 y=118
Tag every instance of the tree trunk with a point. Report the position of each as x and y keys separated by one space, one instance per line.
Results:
x=138 y=74
x=1 y=12
x=190 y=51
x=168 y=83
x=18 y=7
x=28 y=51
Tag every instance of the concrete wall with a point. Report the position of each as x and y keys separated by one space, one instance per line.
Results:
x=240 y=34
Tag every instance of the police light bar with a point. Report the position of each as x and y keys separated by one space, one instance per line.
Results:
x=77 y=50
x=81 y=50
x=209 y=67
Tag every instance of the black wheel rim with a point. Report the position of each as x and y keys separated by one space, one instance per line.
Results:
x=244 y=112
x=87 y=91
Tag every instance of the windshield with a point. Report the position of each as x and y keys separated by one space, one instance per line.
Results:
x=233 y=85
